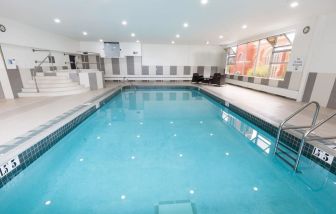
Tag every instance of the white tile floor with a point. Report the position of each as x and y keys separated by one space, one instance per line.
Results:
x=21 y=115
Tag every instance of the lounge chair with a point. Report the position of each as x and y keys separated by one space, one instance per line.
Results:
x=197 y=78
x=216 y=79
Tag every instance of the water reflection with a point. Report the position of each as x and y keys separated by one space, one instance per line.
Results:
x=253 y=135
x=134 y=103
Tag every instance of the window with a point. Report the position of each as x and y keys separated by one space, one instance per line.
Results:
x=231 y=60
x=267 y=58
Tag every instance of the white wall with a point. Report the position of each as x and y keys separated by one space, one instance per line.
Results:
x=322 y=57
x=95 y=47
x=182 y=55
x=130 y=49
x=24 y=35
x=4 y=80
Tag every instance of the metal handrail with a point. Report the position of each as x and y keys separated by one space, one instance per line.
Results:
x=317 y=109
x=34 y=73
x=308 y=132
x=303 y=108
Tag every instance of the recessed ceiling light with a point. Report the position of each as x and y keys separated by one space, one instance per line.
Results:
x=221 y=37
x=57 y=20
x=178 y=36
x=244 y=27
x=173 y=42
x=85 y=33
x=185 y=24
x=294 y=4
x=124 y=22
x=204 y=1
x=132 y=34
x=137 y=41
x=207 y=42
x=100 y=40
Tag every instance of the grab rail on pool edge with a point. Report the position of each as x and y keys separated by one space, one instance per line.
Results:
x=282 y=127
x=308 y=132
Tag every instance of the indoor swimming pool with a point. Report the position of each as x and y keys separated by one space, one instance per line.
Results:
x=162 y=151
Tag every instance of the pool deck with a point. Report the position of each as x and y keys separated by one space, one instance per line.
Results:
x=19 y=116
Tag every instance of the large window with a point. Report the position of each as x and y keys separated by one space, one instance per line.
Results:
x=267 y=58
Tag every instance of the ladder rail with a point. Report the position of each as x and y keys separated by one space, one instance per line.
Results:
x=281 y=126
x=307 y=133
x=317 y=109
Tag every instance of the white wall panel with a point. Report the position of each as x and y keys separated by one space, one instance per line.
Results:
x=181 y=55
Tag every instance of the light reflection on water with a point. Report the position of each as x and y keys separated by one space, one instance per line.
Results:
x=246 y=130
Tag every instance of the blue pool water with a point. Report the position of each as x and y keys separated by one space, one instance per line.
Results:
x=148 y=146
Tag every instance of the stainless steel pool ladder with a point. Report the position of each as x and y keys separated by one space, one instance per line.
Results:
x=279 y=151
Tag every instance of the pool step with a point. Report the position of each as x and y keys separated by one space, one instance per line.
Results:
x=54 y=93
x=176 y=207
x=57 y=85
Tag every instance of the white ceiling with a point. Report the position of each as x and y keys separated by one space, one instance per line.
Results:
x=158 y=21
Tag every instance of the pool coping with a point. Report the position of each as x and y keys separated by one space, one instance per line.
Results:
x=36 y=142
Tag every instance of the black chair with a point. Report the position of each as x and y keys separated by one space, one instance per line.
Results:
x=216 y=79
x=196 y=78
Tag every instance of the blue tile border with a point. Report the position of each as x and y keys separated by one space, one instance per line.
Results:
x=34 y=152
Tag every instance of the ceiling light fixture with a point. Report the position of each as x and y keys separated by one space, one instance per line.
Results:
x=100 y=40
x=173 y=42
x=221 y=37
x=178 y=36
x=57 y=20
x=207 y=43
x=132 y=34
x=294 y=4
x=137 y=41
x=124 y=22
x=204 y=2
x=244 y=27
x=85 y=33
x=185 y=24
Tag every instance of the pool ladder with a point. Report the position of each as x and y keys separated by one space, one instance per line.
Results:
x=280 y=147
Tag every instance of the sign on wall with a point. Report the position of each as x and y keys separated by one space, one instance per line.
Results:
x=297 y=64
x=11 y=64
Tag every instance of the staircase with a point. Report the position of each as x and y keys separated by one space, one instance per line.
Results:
x=59 y=85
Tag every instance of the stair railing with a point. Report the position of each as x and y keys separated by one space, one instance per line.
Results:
x=34 y=71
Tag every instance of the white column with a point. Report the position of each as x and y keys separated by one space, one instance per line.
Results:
x=7 y=89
